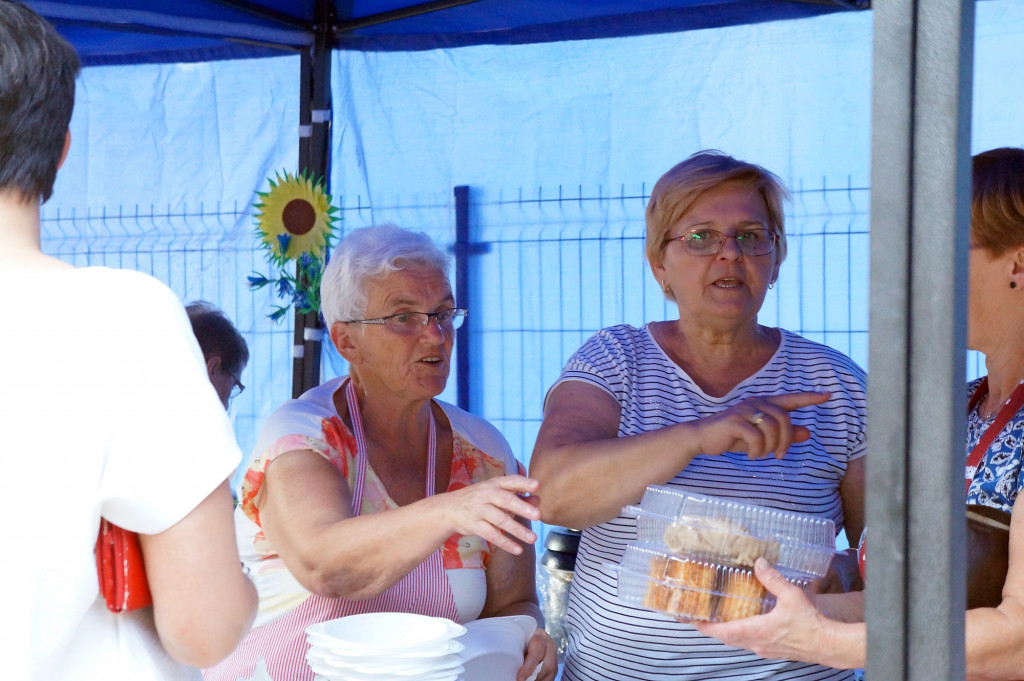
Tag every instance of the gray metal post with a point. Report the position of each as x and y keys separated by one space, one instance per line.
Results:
x=920 y=216
x=314 y=157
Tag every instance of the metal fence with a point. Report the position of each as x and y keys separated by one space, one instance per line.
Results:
x=546 y=268
x=552 y=267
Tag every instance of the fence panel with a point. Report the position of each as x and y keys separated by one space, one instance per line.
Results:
x=551 y=267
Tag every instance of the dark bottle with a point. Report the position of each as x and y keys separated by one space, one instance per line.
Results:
x=554 y=577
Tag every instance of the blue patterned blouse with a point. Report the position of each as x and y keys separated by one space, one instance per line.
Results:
x=1000 y=476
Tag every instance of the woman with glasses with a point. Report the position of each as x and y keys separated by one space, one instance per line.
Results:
x=366 y=494
x=712 y=402
x=224 y=349
x=994 y=452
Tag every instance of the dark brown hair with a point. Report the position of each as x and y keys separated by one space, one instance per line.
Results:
x=997 y=199
x=37 y=93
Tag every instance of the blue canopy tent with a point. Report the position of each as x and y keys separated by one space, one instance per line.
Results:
x=107 y=32
x=122 y=31
x=921 y=126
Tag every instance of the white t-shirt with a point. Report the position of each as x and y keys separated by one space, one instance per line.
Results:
x=105 y=409
x=610 y=640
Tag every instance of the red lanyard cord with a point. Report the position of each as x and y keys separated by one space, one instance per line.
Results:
x=1006 y=412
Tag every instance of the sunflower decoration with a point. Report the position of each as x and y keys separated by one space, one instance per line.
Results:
x=294 y=222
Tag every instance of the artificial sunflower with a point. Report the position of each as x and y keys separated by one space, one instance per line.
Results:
x=294 y=217
x=294 y=222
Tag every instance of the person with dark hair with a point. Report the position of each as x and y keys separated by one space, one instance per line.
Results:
x=108 y=414
x=224 y=349
x=712 y=402
x=796 y=629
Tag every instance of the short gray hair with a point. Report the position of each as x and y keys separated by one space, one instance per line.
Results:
x=369 y=253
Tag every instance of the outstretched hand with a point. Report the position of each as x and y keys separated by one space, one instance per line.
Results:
x=759 y=426
x=490 y=509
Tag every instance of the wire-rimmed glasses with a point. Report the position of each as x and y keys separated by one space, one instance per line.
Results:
x=411 y=323
x=758 y=241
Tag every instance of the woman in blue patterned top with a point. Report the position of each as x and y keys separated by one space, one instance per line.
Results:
x=995 y=429
x=701 y=403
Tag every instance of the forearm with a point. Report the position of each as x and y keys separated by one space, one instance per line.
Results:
x=216 y=627
x=843 y=607
x=844 y=647
x=995 y=642
x=361 y=557
x=203 y=604
x=583 y=484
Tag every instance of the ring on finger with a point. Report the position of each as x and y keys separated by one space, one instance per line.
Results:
x=757 y=418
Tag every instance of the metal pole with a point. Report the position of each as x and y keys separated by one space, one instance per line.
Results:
x=314 y=157
x=920 y=215
x=461 y=248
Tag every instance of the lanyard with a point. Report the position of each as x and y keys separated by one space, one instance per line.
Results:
x=1009 y=408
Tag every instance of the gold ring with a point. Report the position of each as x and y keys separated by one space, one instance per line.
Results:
x=758 y=418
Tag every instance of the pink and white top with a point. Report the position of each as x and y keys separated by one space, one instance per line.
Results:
x=450 y=583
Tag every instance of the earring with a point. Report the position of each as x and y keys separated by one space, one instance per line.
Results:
x=771 y=286
x=1013 y=284
x=665 y=287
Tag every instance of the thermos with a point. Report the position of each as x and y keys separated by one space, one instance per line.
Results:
x=554 y=577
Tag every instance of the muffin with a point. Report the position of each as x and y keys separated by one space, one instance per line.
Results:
x=742 y=595
x=682 y=588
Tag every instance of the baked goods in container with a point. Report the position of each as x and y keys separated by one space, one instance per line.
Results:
x=718 y=539
x=742 y=595
x=679 y=587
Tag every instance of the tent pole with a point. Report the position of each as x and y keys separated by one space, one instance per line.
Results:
x=920 y=215
x=314 y=157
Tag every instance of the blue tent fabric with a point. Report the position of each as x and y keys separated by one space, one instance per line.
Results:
x=164 y=31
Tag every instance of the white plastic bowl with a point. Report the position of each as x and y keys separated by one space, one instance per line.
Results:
x=331 y=673
x=354 y=658
x=495 y=647
x=384 y=663
x=380 y=632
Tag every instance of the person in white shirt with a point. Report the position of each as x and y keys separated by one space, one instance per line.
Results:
x=105 y=411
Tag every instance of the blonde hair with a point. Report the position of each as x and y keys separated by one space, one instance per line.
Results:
x=678 y=189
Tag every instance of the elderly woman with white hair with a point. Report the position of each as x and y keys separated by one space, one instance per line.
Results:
x=366 y=494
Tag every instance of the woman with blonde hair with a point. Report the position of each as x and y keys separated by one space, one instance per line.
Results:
x=712 y=402
x=994 y=453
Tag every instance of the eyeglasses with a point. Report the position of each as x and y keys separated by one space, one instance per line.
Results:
x=237 y=388
x=411 y=323
x=711 y=242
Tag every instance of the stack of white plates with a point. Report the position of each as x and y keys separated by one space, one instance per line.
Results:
x=386 y=646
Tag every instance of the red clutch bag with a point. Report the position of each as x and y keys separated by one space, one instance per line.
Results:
x=120 y=568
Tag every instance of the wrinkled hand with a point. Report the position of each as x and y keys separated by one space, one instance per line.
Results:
x=488 y=509
x=793 y=630
x=540 y=648
x=759 y=426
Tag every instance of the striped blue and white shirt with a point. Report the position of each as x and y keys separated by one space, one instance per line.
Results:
x=610 y=640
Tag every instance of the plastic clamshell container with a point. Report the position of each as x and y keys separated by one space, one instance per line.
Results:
x=727 y=531
x=692 y=589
